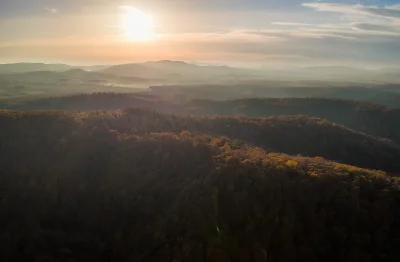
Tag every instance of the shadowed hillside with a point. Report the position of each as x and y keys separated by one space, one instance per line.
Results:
x=105 y=187
x=288 y=134
x=237 y=88
x=369 y=118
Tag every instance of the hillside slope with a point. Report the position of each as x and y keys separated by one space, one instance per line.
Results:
x=75 y=189
x=72 y=75
x=288 y=134
x=31 y=67
x=371 y=119
x=171 y=70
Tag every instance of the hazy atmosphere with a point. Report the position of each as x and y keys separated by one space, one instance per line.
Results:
x=199 y=131
x=253 y=32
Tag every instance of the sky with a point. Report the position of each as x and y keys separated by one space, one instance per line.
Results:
x=246 y=32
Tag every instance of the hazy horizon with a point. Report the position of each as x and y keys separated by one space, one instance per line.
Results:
x=252 y=33
x=211 y=63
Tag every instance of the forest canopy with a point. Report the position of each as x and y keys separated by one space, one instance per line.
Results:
x=143 y=186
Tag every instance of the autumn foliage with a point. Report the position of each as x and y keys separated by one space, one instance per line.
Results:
x=136 y=185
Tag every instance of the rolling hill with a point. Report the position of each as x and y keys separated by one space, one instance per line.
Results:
x=104 y=186
x=385 y=94
x=70 y=75
x=33 y=67
x=287 y=134
x=170 y=70
x=375 y=120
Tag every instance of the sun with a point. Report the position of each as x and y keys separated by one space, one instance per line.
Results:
x=137 y=25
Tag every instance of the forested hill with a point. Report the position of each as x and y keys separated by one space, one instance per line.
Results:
x=129 y=186
x=368 y=118
x=288 y=134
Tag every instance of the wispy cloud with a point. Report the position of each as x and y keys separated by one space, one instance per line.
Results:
x=316 y=34
x=381 y=29
x=395 y=7
x=341 y=25
x=51 y=10
x=367 y=20
x=291 y=24
x=392 y=11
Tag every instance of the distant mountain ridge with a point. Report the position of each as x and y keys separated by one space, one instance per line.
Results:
x=168 y=69
x=46 y=76
x=181 y=70
x=31 y=67
x=164 y=69
x=34 y=67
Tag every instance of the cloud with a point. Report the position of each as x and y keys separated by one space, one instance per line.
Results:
x=311 y=25
x=51 y=10
x=341 y=8
x=395 y=7
x=364 y=20
x=277 y=46
x=292 y=24
x=382 y=29
x=313 y=34
x=392 y=11
x=233 y=35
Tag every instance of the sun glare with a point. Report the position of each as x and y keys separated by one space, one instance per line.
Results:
x=137 y=25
